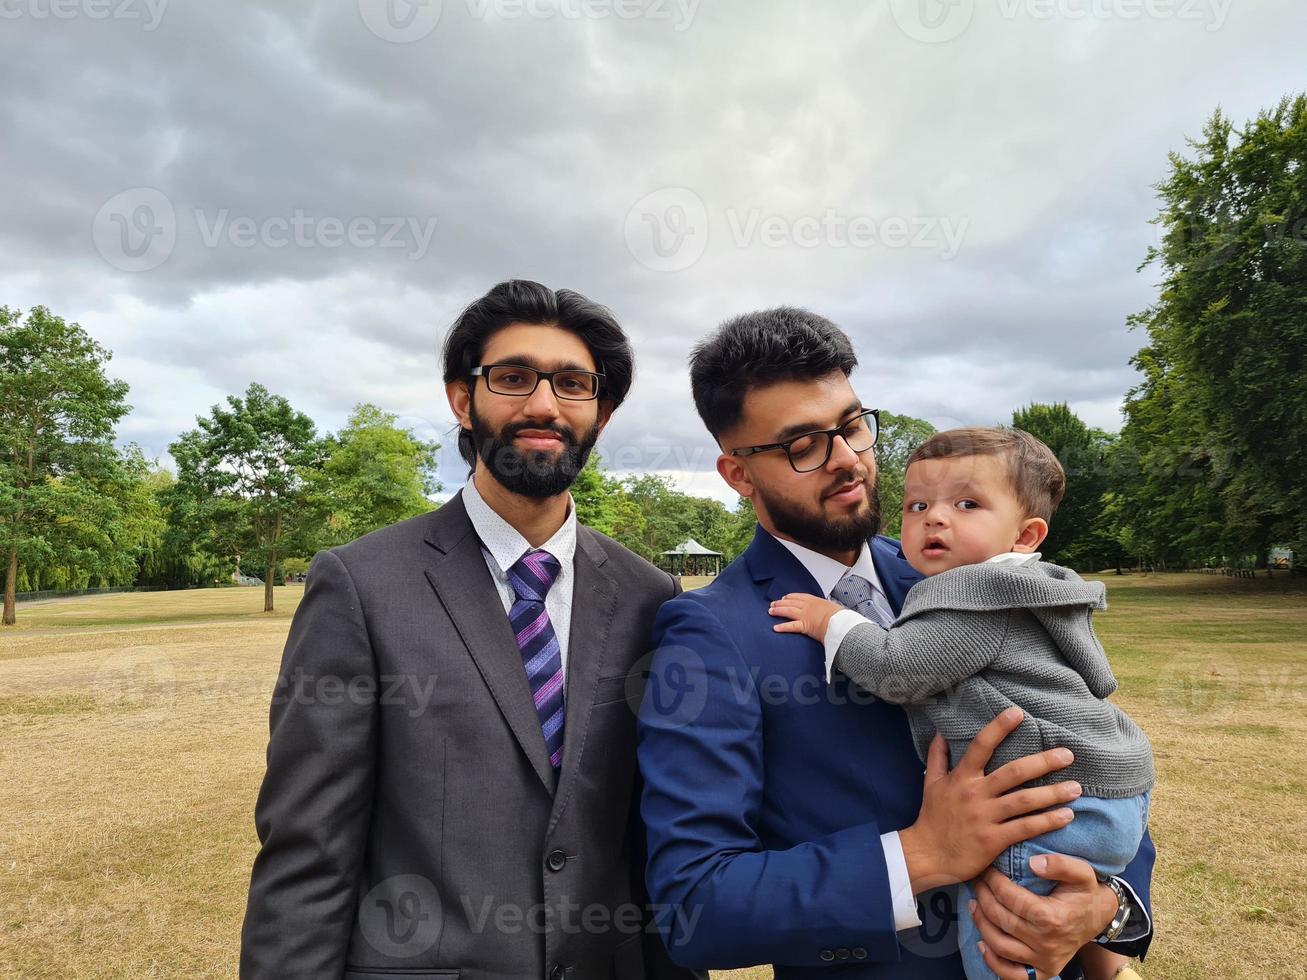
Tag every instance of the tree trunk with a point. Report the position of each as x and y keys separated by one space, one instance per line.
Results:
x=11 y=588
x=272 y=565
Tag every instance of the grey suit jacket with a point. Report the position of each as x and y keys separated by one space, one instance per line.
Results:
x=409 y=822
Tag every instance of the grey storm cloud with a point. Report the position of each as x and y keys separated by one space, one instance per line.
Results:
x=305 y=194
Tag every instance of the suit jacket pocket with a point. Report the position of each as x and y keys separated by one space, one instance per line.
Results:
x=379 y=973
x=611 y=689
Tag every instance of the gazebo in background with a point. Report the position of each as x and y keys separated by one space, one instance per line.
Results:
x=691 y=558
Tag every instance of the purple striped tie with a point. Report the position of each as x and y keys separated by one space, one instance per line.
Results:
x=531 y=577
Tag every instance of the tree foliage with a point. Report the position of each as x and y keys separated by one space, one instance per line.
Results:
x=245 y=472
x=647 y=514
x=1214 y=450
x=899 y=436
x=374 y=473
x=63 y=495
x=1080 y=535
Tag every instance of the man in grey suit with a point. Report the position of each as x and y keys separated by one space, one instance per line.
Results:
x=451 y=772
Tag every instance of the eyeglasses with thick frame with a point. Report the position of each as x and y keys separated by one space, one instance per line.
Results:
x=532 y=377
x=808 y=446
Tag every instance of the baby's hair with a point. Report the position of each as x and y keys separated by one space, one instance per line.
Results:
x=1035 y=473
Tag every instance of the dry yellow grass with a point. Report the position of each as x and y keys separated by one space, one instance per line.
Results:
x=132 y=731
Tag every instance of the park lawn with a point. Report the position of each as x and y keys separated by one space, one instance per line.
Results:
x=133 y=727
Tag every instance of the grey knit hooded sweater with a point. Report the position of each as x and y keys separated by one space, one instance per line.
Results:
x=976 y=640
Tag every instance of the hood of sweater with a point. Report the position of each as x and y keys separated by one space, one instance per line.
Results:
x=1059 y=598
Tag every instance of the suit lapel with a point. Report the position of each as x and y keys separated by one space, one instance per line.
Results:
x=770 y=561
x=458 y=573
x=594 y=602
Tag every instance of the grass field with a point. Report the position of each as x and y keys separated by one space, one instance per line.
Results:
x=132 y=732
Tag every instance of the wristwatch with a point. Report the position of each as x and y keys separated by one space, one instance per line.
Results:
x=1117 y=925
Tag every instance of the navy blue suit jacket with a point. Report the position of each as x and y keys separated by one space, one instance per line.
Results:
x=766 y=790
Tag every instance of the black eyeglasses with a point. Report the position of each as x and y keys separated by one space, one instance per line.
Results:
x=811 y=450
x=520 y=380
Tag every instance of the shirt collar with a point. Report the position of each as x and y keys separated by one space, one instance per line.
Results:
x=505 y=543
x=1014 y=558
x=828 y=572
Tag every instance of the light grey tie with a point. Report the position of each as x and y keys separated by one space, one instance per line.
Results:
x=856 y=593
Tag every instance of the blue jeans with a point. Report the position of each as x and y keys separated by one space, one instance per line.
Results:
x=1106 y=833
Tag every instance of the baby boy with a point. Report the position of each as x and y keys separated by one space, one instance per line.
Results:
x=991 y=627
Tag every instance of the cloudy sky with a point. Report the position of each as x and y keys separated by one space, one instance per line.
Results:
x=305 y=194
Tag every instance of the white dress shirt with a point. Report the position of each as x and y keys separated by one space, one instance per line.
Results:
x=1014 y=558
x=828 y=572
x=506 y=545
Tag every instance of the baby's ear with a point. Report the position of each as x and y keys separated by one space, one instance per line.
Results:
x=1031 y=534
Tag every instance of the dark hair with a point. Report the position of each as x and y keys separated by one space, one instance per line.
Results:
x=523 y=301
x=1036 y=476
x=760 y=349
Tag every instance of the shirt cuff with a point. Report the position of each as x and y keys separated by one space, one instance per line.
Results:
x=836 y=630
x=900 y=885
x=1140 y=924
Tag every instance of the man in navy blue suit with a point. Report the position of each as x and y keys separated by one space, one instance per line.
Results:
x=788 y=819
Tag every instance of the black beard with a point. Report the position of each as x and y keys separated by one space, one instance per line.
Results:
x=821 y=533
x=537 y=473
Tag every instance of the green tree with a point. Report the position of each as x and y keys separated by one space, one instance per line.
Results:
x=602 y=504
x=662 y=507
x=181 y=558
x=1164 y=497
x=1080 y=535
x=127 y=523
x=245 y=470
x=295 y=566
x=375 y=473
x=711 y=524
x=649 y=515
x=899 y=435
x=671 y=516
x=58 y=465
x=746 y=523
x=1215 y=429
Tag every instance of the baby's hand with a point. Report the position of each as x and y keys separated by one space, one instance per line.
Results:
x=808 y=614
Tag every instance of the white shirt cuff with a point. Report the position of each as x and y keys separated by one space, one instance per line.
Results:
x=1134 y=928
x=836 y=630
x=900 y=885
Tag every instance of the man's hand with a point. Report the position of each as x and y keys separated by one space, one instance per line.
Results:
x=810 y=615
x=968 y=818
x=1019 y=927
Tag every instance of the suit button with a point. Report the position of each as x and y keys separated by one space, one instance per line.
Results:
x=859 y=953
x=555 y=862
x=842 y=953
x=827 y=955
x=558 y=972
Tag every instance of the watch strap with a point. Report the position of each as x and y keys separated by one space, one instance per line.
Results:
x=1122 y=915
